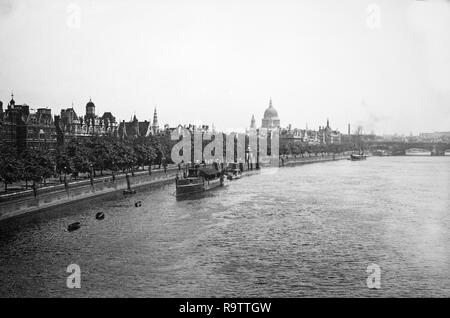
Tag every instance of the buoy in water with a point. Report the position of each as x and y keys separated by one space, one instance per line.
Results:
x=138 y=204
x=100 y=216
x=74 y=226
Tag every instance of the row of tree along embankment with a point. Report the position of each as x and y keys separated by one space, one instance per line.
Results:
x=299 y=160
x=16 y=204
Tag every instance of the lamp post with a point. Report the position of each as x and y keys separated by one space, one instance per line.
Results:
x=65 y=176
x=247 y=157
x=91 y=175
x=113 y=171
x=150 y=166
x=34 y=189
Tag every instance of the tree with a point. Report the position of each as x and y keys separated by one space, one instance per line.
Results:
x=46 y=163
x=163 y=145
x=303 y=148
x=30 y=168
x=124 y=156
x=100 y=153
x=79 y=155
x=144 y=150
x=37 y=165
x=10 y=166
x=26 y=171
x=63 y=162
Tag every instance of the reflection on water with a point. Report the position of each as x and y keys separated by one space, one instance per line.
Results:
x=301 y=231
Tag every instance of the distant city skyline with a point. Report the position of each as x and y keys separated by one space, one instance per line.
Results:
x=81 y=110
x=217 y=62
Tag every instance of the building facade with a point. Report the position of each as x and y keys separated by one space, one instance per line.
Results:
x=134 y=128
x=330 y=136
x=70 y=125
x=25 y=128
x=435 y=137
x=323 y=136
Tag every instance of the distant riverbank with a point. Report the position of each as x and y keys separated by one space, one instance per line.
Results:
x=299 y=160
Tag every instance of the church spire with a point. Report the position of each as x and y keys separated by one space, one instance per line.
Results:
x=12 y=102
x=252 y=123
x=155 y=125
x=155 y=118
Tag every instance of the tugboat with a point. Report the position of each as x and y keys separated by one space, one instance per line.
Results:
x=199 y=179
x=359 y=156
x=233 y=171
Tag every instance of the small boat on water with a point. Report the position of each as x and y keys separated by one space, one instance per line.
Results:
x=199 y=179
x=359 y=156
x=74 y=226
x=233 y=171
x=100 y=216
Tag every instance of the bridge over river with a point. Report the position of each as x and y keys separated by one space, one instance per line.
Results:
x=402 y=148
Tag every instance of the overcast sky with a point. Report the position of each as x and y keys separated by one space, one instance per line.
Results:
x=383 y=64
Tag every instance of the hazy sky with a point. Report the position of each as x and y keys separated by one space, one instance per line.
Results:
x=383 y=64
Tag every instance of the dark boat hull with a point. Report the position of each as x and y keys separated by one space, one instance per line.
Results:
x=187 y=189
x=357 y=157
x=234 y=176
x=74 y=226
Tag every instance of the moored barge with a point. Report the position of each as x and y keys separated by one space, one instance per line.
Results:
x=197 y=179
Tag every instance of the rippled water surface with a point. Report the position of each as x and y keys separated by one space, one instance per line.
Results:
x=310 y=230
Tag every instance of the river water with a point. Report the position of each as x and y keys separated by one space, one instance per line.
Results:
x=309 y=230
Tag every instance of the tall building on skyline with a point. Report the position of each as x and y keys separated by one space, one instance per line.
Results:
x=253 y=122
x=271 y=119
x=155 y=125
